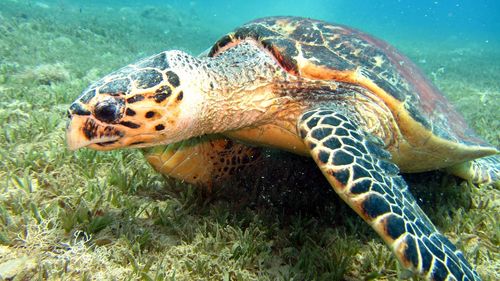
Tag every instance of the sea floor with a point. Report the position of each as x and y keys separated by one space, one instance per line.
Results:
x=89 y=215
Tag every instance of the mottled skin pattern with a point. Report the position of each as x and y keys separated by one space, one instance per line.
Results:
x=355 y=105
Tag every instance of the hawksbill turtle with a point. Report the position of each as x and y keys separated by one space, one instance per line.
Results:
x=362 y=110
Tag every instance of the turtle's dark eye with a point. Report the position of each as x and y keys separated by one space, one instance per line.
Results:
x=107 y=111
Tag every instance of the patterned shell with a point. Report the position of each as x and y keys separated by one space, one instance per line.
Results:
x=320 y=50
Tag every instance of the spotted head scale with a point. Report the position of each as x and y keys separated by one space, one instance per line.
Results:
x=140 y=104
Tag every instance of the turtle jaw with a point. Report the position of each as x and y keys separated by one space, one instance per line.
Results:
x=84 y=131
x=88 y=132
x=101 y=144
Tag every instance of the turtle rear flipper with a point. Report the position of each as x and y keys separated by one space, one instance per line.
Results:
x=360 y=172
x=480 y=171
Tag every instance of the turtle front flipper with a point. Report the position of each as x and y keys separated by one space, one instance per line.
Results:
x=359 y=170
x=202 y=161
x=480 y=171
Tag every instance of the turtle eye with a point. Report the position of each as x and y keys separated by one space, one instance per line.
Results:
x=107 y=111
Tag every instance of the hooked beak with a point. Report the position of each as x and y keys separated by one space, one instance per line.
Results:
x=74 y=133
x=83 y=131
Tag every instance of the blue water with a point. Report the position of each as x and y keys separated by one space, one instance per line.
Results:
x=470 y=20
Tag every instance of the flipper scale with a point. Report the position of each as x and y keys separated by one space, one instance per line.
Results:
x=360 y=171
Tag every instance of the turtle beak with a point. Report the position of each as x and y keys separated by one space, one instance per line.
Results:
x=83 y=131
x=74 y=133
x=74 y=129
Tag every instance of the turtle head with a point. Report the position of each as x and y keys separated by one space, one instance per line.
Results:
x=154 y=101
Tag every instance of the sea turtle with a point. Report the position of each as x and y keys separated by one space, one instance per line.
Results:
x=359 y=108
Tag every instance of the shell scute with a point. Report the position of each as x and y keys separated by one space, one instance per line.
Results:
x=285 y=51
x=256 y=31
x=308 y=33
x=321 y=55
